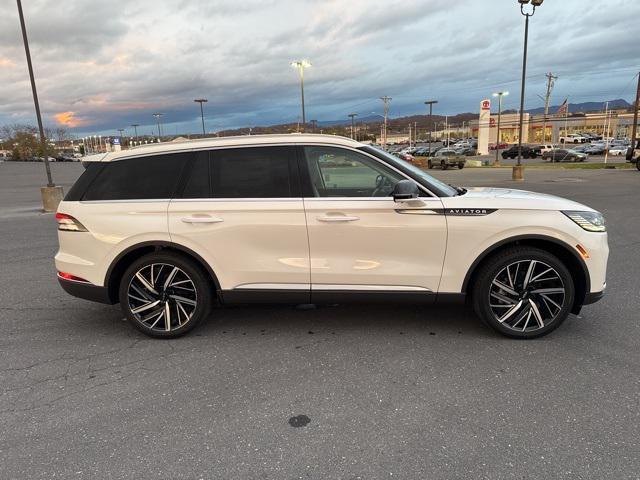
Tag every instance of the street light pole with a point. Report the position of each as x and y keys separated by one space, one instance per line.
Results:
x=518 y=169
x=386 y=99
x=352 y=116
x=51 y=194
x=157 y=116
x=301 y=65
x=430 y=103
x=499 y=95
x=201 y=101
x=43 y=140
x=135 y=129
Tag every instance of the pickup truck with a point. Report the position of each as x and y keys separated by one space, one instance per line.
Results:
x=573 y=138
x=446 y=158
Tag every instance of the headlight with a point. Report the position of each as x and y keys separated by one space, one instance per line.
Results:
x=590 y=221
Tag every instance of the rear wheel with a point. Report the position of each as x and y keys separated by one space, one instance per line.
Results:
x=443 y=165
x=429 y=164
x=164 y=295
x=461 y=165
x=523 y=292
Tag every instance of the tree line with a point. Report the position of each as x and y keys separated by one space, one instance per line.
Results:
x=23 y=140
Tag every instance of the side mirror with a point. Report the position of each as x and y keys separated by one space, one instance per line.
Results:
x=404 y=191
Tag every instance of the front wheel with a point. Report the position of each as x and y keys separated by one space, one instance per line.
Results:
x=164 y=295
x=460 y=166
x=523 y=292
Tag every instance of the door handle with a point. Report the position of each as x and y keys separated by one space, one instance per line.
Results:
x=206 y=219
x=337 y=218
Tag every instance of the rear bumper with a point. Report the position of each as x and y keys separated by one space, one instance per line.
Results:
x=86 y=291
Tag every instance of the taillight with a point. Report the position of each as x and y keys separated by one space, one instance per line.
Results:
x=69 y=224
x=73 y=278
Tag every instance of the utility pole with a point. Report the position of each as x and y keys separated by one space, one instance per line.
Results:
x=386 y=101
x=121 y=130
x=636 y=105
x=551 y=78
x=353 y=117
x=135 y=129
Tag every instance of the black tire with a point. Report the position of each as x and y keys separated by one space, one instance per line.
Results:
x=195 y=287
x=443 y=165
x=510 y=260
x=461 y=166
x=638 y=164
x=429 y=164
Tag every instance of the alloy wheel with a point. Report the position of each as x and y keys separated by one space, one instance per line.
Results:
x=162 y=297
x=526 y=295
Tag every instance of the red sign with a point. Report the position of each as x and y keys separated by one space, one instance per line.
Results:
x=492 y=122
x=486 y=105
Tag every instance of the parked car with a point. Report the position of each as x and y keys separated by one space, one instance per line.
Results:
x=581 y=148
x=466 y=151
x=527 y=152
x=405 y=156
x=289 y=218
x=544 y=148
x=409 y=150
x=573 y=138
x=595 y=149
x=445 y=158
x=500 y=146
x=564 y=155
x=620 y=142
x=618 y=150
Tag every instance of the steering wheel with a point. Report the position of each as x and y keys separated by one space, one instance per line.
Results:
x=382 y=186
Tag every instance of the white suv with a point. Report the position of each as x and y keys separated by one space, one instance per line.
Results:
x=168 y=229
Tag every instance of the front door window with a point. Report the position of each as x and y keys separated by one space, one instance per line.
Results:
x=337 y=172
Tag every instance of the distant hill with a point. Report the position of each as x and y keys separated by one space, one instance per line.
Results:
x=584 y=107
x=341 y=127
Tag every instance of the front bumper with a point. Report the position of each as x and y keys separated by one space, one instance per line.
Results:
x=593 y=297
x=86 y=291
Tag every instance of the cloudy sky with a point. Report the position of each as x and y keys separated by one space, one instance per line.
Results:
x=104 y=65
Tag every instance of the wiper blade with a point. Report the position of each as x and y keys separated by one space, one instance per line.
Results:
x=459 y=190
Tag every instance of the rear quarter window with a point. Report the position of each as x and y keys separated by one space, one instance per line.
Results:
x=152 y=177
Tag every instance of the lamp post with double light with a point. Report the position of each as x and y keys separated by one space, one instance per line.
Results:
x=158 y=116
x=201 y=101
x=496 y=163
x=300 y=65
x=518 y=169
x=430 y=103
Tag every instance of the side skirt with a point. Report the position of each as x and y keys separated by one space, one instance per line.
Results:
x=295 y=297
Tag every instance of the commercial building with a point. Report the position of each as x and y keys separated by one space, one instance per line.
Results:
x=616 y=124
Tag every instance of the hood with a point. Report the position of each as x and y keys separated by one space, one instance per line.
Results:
x=508 y=198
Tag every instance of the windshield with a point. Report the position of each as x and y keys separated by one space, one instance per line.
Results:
x=433 y=184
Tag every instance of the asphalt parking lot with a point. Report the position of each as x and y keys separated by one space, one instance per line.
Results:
x=388 y=392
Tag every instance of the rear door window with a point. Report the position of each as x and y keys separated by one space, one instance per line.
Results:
x=152 y=177
x=253 y=172
x=198 y=182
